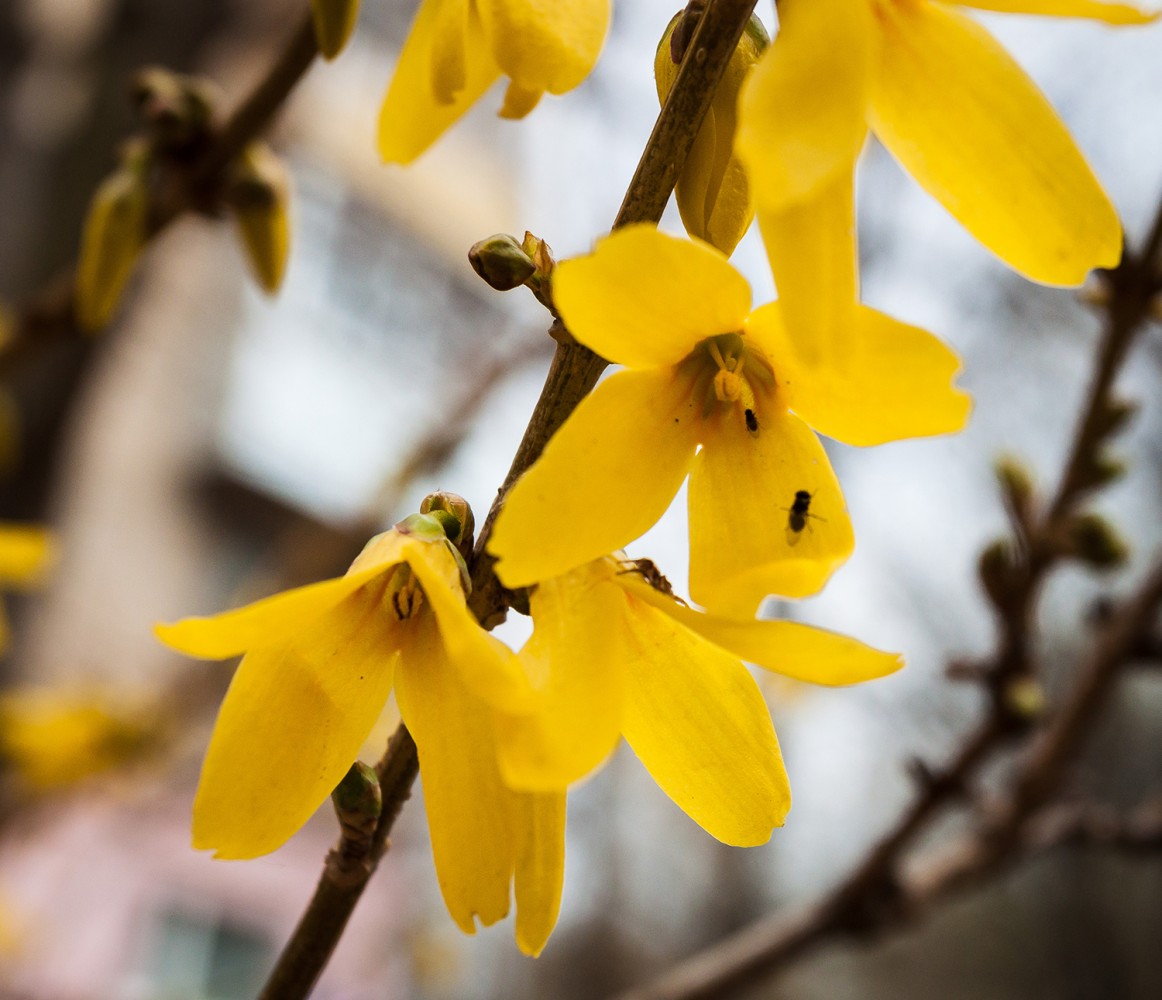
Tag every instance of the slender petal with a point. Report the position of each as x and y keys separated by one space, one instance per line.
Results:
x=894 y=383
x=974 y=130
x=1095 y=10
x=263 y=622
x=470 y=811
x=576 y=721
x=605 y=477
x=442 y=71
x=644 y=299
x=696 y=719
x=545 y=44
x=742 y=547
x=811 y=248
x=803 y=113
x=293 y=720
x=540 y=867
x=792 y=649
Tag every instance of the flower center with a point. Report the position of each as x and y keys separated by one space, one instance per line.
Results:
x=403 y=595
x=731 y=374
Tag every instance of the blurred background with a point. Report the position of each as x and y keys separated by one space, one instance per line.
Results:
x=217 y=445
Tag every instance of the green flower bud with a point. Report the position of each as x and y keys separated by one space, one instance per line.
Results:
x=501 y=262
x=258 y=195
x=455 y=515
x=714 y=197
x=997 y=568
x=1016 y=483
x=334 y=21
x=1095 y=542
x=114 y=234
x=358 y=801
x=1025 y=697
x=176 y=110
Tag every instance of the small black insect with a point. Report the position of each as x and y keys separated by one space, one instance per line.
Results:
x=752 y=422
x=647 y=569
x=798 y=515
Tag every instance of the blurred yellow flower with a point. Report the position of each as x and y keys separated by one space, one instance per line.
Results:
x=54 y=739
x=727 y=396
x=26 y=553
x=610 y=655
x=950 y=104
x=458 y=48
x=319 y=664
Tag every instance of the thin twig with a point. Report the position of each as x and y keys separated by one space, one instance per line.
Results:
x=573 y=372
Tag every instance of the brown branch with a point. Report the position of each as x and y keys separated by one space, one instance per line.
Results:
x=47 y=317
x=573 y=372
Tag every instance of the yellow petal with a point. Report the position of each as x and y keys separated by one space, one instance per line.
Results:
x=742 y=547
x=334 y=21
x=644 y=299
x=294 y=718
x=571 y=658
x=811 y=248
x=696 y=719
x=26 y=553
x=545 y=44
x=963 y=118
x=1096 y=10
x=470 y=811
x=540 y=867
x=484 y=662
x=519 y=101
x=415 y=113
x=803 y=113
x=233 y=632
x=605 y=477
x=792 y=649
x=895 y=382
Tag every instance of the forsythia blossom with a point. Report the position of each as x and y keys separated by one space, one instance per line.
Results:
x=724 y=395
x=610 y=655
x=319 y=664
x=458 y=48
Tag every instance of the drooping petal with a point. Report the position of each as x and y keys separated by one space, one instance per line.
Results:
x=895 y=382
x=576 y=719
x=644 y=299
x=792 y=649
x=605 y=477
x=26 y=552
x=1095 y=10
x=470 y=811
x=742 y=546
x=696 y=719
x=803 y=113
x=486 y=664
x=963 y=118
x=294 y=718
x=442 y=71
x=259 y=624
x=812 y=252
x=540 y=867
x=545 y=44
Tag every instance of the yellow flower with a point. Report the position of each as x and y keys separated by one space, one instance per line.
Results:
x=702 y=370
x=950 y=104
x=56 y=739
x=458 y=48
x=26 y=553
x=610 y=656
x=319 y=664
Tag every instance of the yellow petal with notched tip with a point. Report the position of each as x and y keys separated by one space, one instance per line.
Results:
x=1094 y=10
x=697 y=721
x=442 y=71
x=742 y=546
x=540 y=867
x=545 y=44
x=963 y=118
x=297 y=711
x=575 y=721
x=605 y=477
x=792 y=649
x=895 y=382
x=644 y=299
x=470 y=810
x=803 y=112
x=812 y=252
